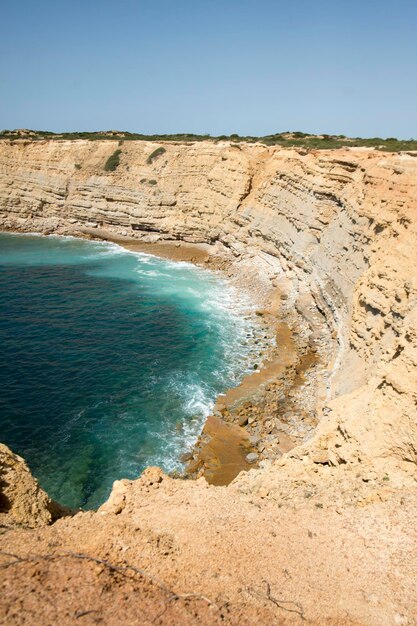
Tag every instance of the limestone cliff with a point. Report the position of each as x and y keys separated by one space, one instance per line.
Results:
x=334 y=232
x=337 y=227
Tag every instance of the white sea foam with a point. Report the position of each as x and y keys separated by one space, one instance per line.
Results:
x=227 y=328
x=152 y=273
x=230 y=314
x=228 y=311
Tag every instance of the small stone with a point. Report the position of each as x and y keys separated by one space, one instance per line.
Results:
x=152 y=476
x=320 y=456
x=243 y=420
x=369 y=476
x=263 y=492
x=265 y=464
x=252 y=457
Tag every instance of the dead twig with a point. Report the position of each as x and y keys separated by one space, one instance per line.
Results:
x=286 y=605
x=122 y=569
x=84 y=613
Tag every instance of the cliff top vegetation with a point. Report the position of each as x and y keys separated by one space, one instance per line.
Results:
x=286 y=139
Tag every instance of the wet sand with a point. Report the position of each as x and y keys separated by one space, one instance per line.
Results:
x=191 y=253
x=222 y=452
x=271 y=370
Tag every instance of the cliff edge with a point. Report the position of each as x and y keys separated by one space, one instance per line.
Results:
x=324 y=533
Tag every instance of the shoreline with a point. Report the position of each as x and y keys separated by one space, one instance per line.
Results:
x=230 y=441
x=238 y=435
x=233 y=438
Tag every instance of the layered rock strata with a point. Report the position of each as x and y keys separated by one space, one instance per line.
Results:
x=324 y=534
x=334 y=231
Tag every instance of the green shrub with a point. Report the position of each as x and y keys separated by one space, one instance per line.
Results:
x=296 y=139
x=113 y=161
x=153 y=182
x=77 y=166
x=156 y=153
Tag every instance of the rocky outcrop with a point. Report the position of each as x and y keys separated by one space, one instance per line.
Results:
x=22 y=501
x=335 y=231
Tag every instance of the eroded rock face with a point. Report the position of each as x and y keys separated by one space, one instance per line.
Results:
x=335 y=233
x=339 y=228
x=22 y=501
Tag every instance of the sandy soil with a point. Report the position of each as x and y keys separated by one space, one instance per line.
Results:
x=174 y=250
x=176 y=554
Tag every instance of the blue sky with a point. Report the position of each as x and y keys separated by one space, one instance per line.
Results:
x=210 y=66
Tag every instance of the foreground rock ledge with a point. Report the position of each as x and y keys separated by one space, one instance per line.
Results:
x=325 y=534
x=171 y=551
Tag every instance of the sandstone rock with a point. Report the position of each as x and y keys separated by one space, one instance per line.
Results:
x=117 y=499
x=22 y=501
x=152 y=476
x=341 y=226
x=320 y=456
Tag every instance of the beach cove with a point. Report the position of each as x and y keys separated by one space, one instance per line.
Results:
x=120 y=357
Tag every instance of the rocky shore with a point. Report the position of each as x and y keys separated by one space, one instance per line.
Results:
x=326 y=241
x=266 y=415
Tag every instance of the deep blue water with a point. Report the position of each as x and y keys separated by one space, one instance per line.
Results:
x=109 y=360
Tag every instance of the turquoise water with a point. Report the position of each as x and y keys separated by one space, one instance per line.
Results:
x=110 y=360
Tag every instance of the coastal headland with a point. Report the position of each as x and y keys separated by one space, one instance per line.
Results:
x=325 y=428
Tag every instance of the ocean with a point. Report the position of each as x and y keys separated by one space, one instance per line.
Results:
x=111 y=360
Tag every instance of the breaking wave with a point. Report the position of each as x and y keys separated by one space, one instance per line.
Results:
x=112 y=359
